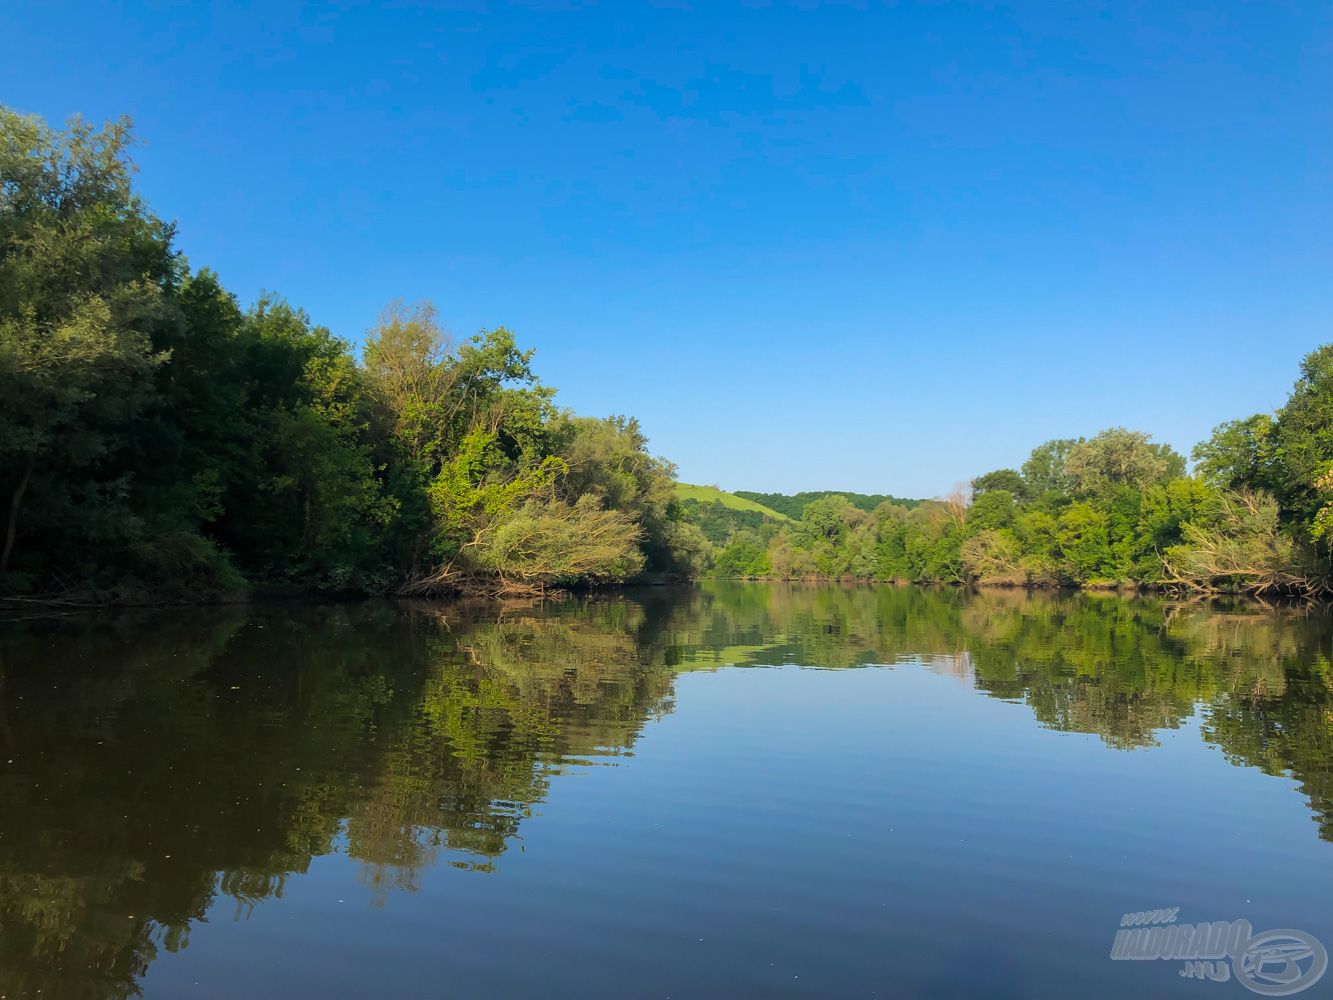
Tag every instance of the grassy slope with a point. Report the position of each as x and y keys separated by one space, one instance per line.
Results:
x=793 y=504
x=711 y=494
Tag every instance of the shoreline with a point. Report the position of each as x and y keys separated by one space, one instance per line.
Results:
x=84 y=602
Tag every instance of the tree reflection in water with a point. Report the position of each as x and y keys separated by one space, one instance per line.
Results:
x=152 y=763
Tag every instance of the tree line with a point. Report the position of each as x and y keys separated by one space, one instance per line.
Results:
x=793 y=504
x=1116 y=510
x=157 y=437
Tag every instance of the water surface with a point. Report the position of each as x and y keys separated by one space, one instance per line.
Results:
x=653 y=794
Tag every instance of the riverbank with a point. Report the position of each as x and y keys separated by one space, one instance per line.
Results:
x=75 y=602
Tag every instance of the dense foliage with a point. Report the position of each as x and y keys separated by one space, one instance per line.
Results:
x=156 y=435
x=1114 y=510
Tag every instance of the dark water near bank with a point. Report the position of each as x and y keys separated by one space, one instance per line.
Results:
x=651 y=795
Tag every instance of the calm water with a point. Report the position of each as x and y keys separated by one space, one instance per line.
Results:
x=653 y=795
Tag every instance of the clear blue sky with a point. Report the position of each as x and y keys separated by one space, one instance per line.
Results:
x=879 y=248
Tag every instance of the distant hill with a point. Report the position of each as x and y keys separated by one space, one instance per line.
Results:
x=791 y=505
x=732 y=501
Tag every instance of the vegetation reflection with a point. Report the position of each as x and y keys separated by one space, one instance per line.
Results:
x=152 y=767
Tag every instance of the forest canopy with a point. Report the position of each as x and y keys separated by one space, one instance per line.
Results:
x=156 y=435
x=1116 y=510
x=159 y=438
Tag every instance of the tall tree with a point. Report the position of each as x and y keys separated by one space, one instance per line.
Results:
x=85 y=271
x=1044 y=471
x=1238 y=454
x=1302 y=441
x=1120 y=457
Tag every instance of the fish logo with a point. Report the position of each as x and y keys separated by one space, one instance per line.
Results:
x=1279 y=963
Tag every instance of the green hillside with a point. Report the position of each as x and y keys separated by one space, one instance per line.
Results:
x=711 y=494
x=792 y=505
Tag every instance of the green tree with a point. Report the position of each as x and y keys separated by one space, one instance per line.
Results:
x=1238 y=455
x=1008 y=480
x=745 y=555
x=85 y=274
x=1084 y=541
x=1243 y=549
x=824 y=521
x=1044 y=471
x=991 y=510
x=993 y=556
x=1120 y=457
x=609 y=458
x=308 y=504
x=1165 y=510
x=546 y=542
x=1302 y=442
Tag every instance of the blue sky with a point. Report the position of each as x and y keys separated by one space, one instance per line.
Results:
x=867 y=247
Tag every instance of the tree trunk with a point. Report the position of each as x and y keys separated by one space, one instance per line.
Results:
x=14 y=505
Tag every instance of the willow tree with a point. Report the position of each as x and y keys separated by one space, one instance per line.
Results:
x=552 y=542
x=1245 y=549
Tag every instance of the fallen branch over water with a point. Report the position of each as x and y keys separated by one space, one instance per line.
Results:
x=448 y=582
